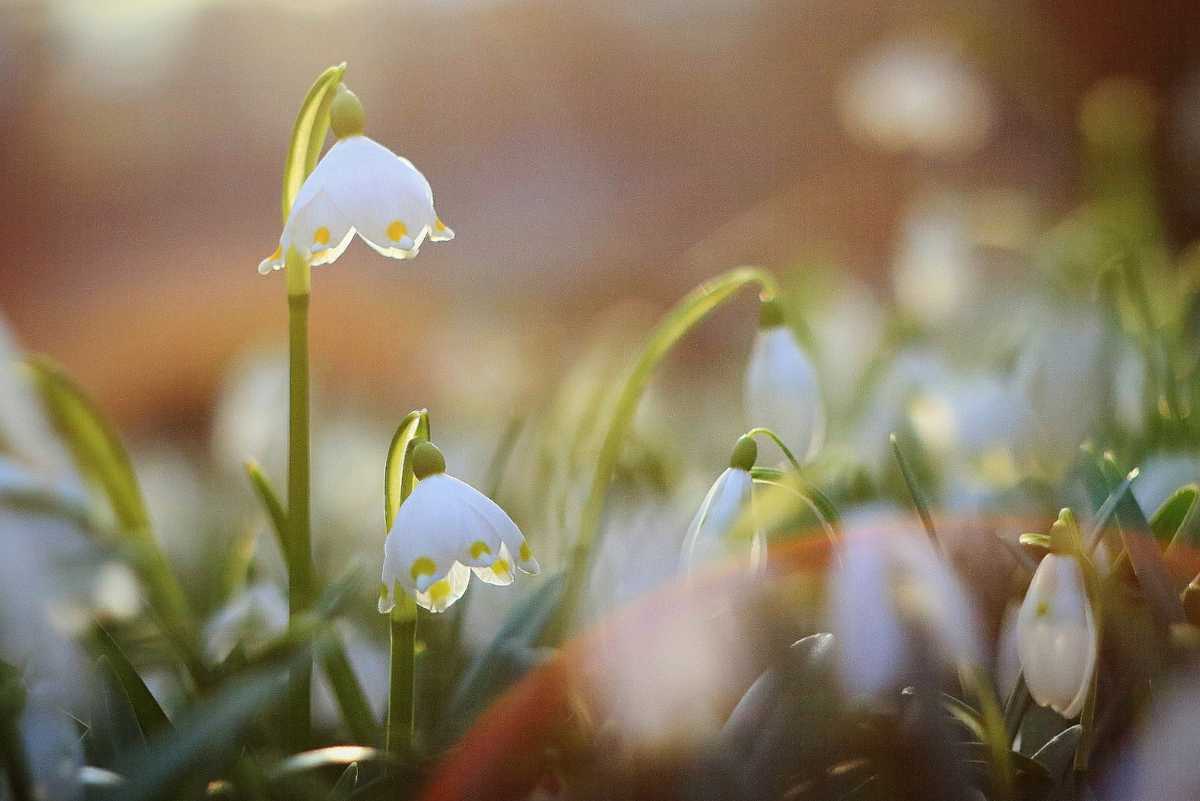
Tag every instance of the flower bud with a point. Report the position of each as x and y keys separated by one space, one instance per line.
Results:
x=1057 y=636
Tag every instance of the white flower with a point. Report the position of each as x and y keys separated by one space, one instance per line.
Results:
x=891 y=595
x=781 y=391
x=358 y=187
x=917 y=95
x=443 y=528
x=727 y=500
x=1057 y=637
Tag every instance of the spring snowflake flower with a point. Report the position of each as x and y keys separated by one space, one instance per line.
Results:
x=1057 y=635
x=728 y=498
x=782 y=392
x=358 y=187
x=442 y=532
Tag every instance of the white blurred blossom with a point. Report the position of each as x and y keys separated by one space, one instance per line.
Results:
x=936 y=273
x=891 y=595
x=917 y=95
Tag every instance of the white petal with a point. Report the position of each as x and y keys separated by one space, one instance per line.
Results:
x=318 y=228
x=707 y=536
x=426 y=538
x=442 y=594
x=500 y=572
x=504 y=526
x=782 y=391
x=388 y=200
x=1057 y=638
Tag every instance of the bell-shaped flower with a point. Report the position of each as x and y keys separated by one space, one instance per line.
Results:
x=442 y=532
x=782 y=392
x=1057 y=635
x=358 y=187
x=897 y=610
x=711 y=533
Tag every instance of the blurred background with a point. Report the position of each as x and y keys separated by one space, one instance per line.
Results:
x=584 y=153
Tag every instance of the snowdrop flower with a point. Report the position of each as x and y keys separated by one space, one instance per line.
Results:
x=730 y=496
x=781 y=389
x=444 y=530
x=1057 y=635
x=891 y=595
x=358 y=187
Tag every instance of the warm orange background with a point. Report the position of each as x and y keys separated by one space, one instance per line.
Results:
x=583 y=153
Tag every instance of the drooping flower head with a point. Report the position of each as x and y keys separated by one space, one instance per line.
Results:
x=442 y=532
x=358 y=187
x=708 y=536
x=782 y=391
x=1057 y=633
x=897 y=607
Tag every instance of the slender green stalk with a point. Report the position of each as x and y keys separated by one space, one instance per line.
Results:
x=914 y=489
x=689 y=312
x=402 y=678
x=398 y=483
x=994 y=729
x=771 y=435
x=299 y=556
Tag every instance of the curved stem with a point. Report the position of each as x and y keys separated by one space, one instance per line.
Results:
x=766 y=432
x=687 y=313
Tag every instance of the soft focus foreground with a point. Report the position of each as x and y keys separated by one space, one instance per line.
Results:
x=910 y=511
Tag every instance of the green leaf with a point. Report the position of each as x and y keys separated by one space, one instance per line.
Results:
x=308 y=134
x=1058 y=755
x=119 y=729
x=98 y=453
x=102 y=459
x=271 y=504
x=345 y=783
x=149 y=715
x=1144 y=554
x=920 y=501
x=504 y=661
x=398 y=481
x=208 y=736
x=1177 y=521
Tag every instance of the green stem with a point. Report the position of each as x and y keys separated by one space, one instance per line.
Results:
x=299 y=556
x=766 y=432
x=994 y=729
x=914 y=489
x=689 y=312
x=403 y=677
x=398 y=483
